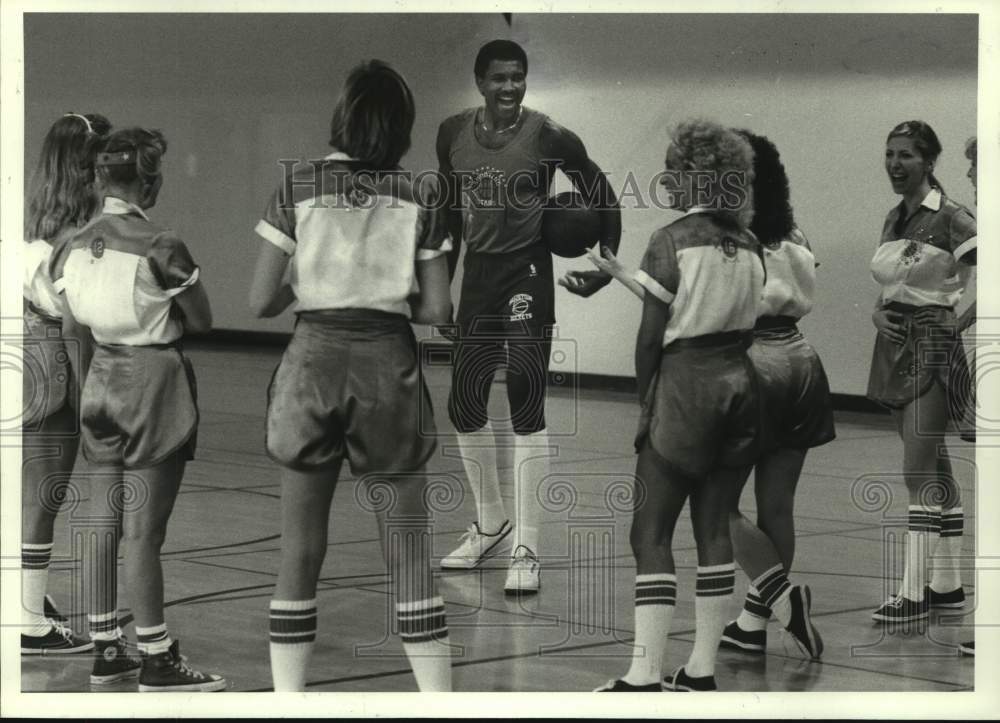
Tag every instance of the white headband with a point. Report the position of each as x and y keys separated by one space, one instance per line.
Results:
x=81 y=117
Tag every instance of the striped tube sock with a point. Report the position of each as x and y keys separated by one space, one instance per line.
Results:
x=713 y=596
x=947 y=572
x=423 y=629
x=921 y=535
x=755 y=613
x=293 y=635
x=34 y=580
x=154 y=640
x=774 y=588
x=655 y=601
x=104 y=626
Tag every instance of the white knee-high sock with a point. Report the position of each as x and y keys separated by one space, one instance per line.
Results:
x=293 y=636
x=713 y=596
x=946 y=562
x=423 y=629
x=655 y=601
x=34 y=580
x=531 y=467
x=921 y=538
x=479 y=457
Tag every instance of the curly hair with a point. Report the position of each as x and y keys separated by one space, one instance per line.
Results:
x=706 y=147
x=773 y=219
x=63 y=193
x=499 y=50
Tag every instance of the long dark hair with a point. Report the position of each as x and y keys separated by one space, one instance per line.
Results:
x=374 y=116
x=772 y=218
x=924 y=139
x=63 y=185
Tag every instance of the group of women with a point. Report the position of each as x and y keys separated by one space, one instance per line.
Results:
x=728 y=385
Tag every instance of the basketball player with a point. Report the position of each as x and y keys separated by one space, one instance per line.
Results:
x=499 y=160
x=131 y=289
x=62 y=199
x=364 y=257
x=923 y=262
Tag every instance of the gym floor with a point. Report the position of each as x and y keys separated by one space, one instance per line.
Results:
x=222 y=553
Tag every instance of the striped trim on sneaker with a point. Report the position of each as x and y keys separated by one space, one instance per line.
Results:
x=422 y=621
x=715 y=580
x=293 y=621
x=656 y=589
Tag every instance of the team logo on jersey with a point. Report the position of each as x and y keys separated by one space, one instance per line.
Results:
x=359 y=198
x=519 y=307
x=485 y=187
x=97 y=247
x=772 y=245
x=728 y=246
x=532 y=271
x=911 y=254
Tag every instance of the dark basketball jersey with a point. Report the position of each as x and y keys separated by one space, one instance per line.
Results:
x=503 y=190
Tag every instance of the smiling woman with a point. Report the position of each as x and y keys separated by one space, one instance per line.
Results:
x=923 y=263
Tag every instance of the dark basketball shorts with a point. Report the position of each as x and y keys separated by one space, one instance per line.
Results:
x=505 y=320
x=704 y=410
x=796 y=411
x=932 y=353
x=139 y=406
x=349 y=386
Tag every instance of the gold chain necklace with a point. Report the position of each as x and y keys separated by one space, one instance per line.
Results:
x=508 y=128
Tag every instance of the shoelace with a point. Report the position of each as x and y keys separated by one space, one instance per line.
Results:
x=470 y=534
x=180 y=663
x=61 y=629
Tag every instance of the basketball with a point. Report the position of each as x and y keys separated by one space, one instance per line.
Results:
x=569 y=226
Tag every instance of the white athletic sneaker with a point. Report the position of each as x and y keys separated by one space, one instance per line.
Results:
x=476 y=547
x=523 y=577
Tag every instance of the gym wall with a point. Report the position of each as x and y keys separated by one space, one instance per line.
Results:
x=236 y=92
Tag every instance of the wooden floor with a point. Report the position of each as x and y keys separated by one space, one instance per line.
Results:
x=222 y=553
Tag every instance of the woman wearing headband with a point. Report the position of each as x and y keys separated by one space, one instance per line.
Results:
x=133 y=288
x=923 y=262
x=61 y=200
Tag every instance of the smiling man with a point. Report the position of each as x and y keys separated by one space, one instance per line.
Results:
x=498 y=161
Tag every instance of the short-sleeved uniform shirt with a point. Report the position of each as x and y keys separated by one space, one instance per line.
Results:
x=702 y=410
x=120 y=274
x=353 y=236
x=709 y=273
x=791 y=277
x=349 y=384
x=916 y=260
x=916 y=264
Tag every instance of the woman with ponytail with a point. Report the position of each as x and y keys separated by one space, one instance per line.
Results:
x=923 y=262
x=131 y=290
x=61 y=200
